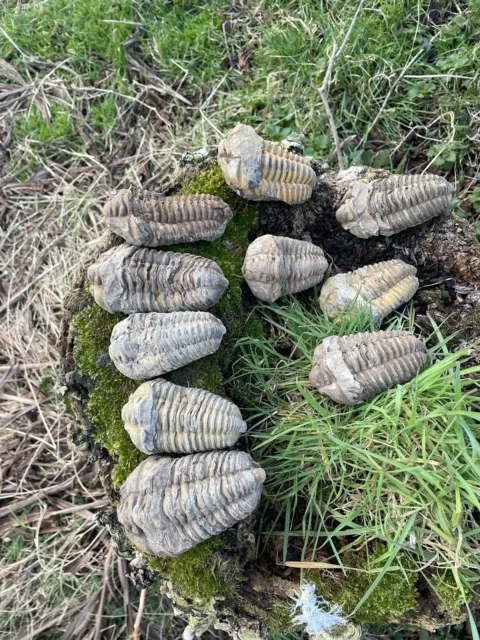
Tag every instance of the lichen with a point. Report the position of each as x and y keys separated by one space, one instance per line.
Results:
x=194 y=574
x=392 y=598
x=445 y=587
x=109 y=390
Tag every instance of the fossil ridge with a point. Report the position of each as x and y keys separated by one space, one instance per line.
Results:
x=352 y=368
x=164 y=417
x=134 y=279
x=146 y=218
x=167 y=506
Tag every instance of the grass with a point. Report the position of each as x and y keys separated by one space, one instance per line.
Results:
x=79 y=117
x=402 y=468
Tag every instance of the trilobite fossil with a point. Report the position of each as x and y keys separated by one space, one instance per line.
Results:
x=167 y=506
x=164 y=417
x=380 y=287
x=275 y=266
x=388 y=205
x=260 y=170
x=133 y=279
x=355 y=367
x=148 y=219
x=147 y=345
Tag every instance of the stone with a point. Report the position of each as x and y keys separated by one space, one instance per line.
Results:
x=162 y=417
x=379 y=288
x=148 y=219
x=168 y=506
x=147 y=345
x=388 y=205
x=134 y=279
x=351 y=369
x=260 y=170
x=275 y=266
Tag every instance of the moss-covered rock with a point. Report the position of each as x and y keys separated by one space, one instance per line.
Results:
x=195 y=574
x=109 y=388
x=394 y=596
x=220 y=581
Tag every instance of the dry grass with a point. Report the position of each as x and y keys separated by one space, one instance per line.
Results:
x=58 y=573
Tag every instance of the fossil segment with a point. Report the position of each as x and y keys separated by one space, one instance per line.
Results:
x=169 y=505
x=353 y=368
x=388 y=205
x=133 y=279
x=381 y=287
x=146 y=345
x=276 y=265
x=145 y=218
x=164 y=417
x=260 y=170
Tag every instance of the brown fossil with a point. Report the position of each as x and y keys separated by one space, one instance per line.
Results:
x=133 y=279
x=146 y=218
x=276 y=265
x=353 y=368
x=147 y=345
x=168 y=506
x=260 y=170
x=380 y=287
x=386 y=206
x=164 y=417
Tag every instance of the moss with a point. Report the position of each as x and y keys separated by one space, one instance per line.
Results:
x=206 y=374
x=110 y=389
x=277 y=618
x=451 y=598
x=193 y=573
x=228 y=252
x=394 y=595
x=475 y=319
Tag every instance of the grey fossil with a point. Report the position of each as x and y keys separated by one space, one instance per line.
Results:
x=147 y=345
x=146 y=218
x=353 y=368
x=168 y=506
x=275 y=265
x=260 y=170
x=388 y=205
x=134 y=279
x=381 y=287
x=164 y=417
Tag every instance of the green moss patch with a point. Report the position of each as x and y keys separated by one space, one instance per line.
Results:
x=392 y=598
x=193 y=573
x=277 y=619
x=451 y=598
x=110 y=389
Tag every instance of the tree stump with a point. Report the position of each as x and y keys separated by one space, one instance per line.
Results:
x=223 y=582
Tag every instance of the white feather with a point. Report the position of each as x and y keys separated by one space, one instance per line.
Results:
x=317 y=614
